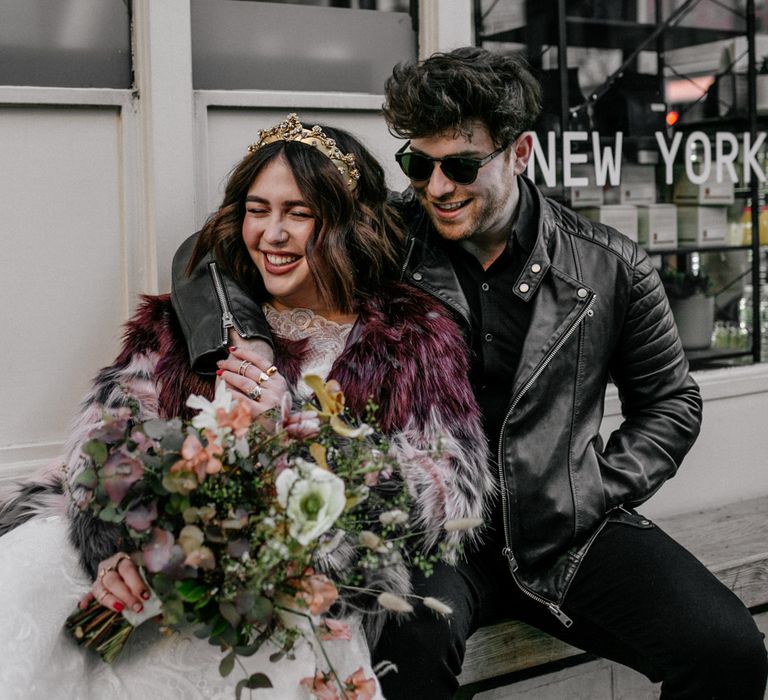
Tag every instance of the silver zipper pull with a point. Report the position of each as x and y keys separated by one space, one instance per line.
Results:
x=510 y=557
x=227 y=320
x=560 y=615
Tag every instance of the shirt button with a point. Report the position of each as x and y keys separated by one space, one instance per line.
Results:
x=488 y=337
x=417 y=276
x=523 y=288
x=535 y=268
x=485 y=286
x=582 y=293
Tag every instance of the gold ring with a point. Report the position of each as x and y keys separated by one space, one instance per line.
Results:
x=255 y=393
x=271 y=370
x=244 y=365
x=263 y=377
x=114 y=566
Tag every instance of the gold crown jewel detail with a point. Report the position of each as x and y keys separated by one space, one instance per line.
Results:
x=291 y=129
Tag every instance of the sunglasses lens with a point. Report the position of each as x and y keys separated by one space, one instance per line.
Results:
x=415 y=166
x=462 y=171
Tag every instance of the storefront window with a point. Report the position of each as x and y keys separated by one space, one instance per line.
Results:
x=66 y=43
x=647 y=126
x=320 y=46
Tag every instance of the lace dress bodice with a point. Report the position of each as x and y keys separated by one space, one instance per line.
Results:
x=326 y=340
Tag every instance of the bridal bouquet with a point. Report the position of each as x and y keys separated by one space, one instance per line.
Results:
x=227 y=518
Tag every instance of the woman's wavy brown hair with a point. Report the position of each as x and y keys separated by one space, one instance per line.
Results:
x=358 y=234
x=447 y=92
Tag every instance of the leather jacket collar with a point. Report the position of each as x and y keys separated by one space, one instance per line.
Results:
x=428 y=266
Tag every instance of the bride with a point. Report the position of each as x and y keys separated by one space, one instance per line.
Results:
x=305 y=226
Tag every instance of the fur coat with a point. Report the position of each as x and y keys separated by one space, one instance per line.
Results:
x=403 y=353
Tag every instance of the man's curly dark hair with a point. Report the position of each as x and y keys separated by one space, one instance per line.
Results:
x=448 y=91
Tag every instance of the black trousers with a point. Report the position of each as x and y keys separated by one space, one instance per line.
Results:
x=639 y=598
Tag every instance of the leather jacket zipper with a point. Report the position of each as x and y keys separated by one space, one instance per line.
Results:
x=411 y=243
x=508 y=553
x=228 y=319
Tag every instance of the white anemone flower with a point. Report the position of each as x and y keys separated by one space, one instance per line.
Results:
x=206 y=418
x=312 y=499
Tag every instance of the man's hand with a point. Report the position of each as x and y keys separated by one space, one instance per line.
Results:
x=261 y=347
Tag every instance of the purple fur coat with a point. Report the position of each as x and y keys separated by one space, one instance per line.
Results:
x=404 y=353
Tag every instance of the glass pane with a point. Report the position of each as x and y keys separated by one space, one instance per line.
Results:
x=66 y=43
x=239 y=45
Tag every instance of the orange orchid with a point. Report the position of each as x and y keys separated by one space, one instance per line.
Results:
x=197 y=459
x=238 y=419
x=318 y=592
x=359 y=687
x=334 y=630
x=321 y=686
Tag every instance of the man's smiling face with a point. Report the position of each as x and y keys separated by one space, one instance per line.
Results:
x=481 y=210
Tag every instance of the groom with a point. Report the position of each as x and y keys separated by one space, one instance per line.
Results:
x=553 y=306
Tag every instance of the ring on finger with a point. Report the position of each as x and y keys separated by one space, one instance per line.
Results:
x=113 y=566
x=255 y=392
x=101 y=597
x=271 y=371
x=244 y=365
x=263 y=377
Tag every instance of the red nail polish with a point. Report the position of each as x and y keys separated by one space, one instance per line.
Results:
x=219 y=372
x=232 y=348
x=119 y=606
x=145 y=595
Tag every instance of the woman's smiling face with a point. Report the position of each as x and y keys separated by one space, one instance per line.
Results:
x=277 y=226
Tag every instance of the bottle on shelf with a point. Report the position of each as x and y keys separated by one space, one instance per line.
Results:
x=746 y=221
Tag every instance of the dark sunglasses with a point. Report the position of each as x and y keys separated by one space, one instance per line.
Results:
x=463 y=171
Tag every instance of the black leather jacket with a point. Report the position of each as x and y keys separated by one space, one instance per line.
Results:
x=599 y=312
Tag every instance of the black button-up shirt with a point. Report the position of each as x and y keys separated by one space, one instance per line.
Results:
x=500 y=319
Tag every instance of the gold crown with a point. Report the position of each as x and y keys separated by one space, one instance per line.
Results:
x=292 y=130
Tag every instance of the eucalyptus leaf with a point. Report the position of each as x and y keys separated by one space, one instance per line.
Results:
x=257 y=680
x=109 y=514
x=96 y=450
x=162 y=584
x=175 y=424
x=219 y=625
x=260 y=611
x=255 y=645
x=172 y=441
x=227 y=664
x=230 y=614
x=87 y=478
x=203 y=632
x=155 y=428
x=173 y=611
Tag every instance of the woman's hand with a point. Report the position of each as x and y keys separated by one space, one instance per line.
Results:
x=251 y=376
x=118 y=585
x=302 y=424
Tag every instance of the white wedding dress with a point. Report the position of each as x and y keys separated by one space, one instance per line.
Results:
x=41 y=582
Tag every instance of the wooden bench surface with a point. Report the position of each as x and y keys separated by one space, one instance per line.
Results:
x=732 y=541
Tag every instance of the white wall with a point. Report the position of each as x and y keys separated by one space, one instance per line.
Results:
x=729 y=461
x=66 y=209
